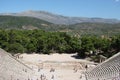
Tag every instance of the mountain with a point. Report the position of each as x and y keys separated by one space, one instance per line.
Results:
x=86 y=28
x=59 y=19
x=29 y=23
x=95 y=29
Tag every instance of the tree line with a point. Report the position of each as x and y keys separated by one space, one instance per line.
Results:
x=39 y=41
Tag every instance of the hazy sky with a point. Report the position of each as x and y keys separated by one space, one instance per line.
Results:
x=78 y=8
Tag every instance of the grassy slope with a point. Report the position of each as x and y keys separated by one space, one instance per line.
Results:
x=13 y=22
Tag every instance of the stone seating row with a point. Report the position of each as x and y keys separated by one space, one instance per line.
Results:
x=12 y=69
x=106 y=70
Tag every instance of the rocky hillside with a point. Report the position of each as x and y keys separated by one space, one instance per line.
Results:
x=59 y=19
x=29 y=23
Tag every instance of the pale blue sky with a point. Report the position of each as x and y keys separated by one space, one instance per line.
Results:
x=78 y=8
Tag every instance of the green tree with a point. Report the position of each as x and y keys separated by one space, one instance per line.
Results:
x=16 y=48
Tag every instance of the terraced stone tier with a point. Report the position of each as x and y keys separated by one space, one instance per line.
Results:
x=12 y=69
x=108 y=70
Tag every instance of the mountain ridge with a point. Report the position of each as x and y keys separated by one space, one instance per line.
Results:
x=60 y=19
x=30 y=23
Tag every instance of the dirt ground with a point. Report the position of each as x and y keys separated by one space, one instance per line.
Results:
x=56 y=66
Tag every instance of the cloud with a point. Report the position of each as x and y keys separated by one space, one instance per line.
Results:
x=117 y=0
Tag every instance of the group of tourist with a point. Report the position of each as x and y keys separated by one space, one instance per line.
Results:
x=43 y=77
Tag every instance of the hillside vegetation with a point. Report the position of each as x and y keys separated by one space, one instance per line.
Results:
x=28 y=23
x=95 y=29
